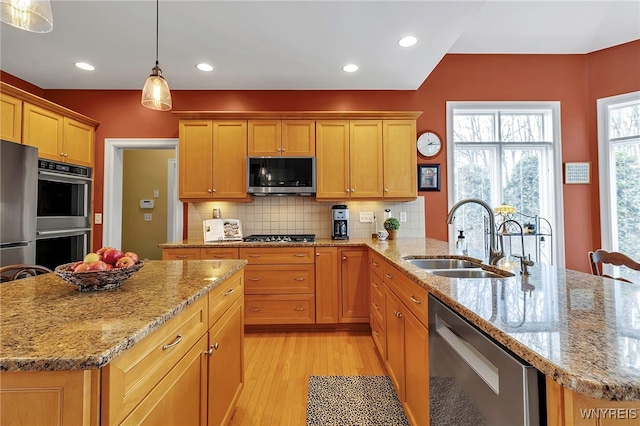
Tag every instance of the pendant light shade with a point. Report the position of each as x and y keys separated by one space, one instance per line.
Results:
x=29 y=15
x=155 y=93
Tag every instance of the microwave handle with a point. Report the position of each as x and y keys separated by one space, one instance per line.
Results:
x=64 y=178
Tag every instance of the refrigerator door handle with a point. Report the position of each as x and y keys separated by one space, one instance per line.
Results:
x=16 y=244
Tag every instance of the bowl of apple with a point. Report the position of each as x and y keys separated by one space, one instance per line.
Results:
x=105 y=269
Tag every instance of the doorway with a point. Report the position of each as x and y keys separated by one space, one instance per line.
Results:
x=112 y=198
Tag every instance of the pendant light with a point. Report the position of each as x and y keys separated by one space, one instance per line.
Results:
x=30 y=15
x=155 y=93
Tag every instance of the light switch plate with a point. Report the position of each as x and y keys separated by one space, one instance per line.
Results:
x=147 y=217
x=366 y=217
x=97 y=218
x=403 y=216
x=156 y=193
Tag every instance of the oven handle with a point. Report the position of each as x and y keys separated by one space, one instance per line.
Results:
x=77 y=231
x=65 y=178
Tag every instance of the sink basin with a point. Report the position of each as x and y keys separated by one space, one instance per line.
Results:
x=466 y=273
x=442 y=263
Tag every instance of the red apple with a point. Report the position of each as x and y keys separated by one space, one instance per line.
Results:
x=110 y=266
x=125 y=262
x=81 y=267
x=74 y=265
x=111 y=256
x=101 y=250
x=97 y=266
x=133 y=256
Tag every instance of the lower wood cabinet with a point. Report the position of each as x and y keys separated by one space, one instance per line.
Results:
x=354 y=285
x=327 y=285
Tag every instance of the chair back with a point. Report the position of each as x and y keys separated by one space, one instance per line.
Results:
x=15 y=272
x=600 y=257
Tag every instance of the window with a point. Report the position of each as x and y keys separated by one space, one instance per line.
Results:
x=507 y=153
x=619 y=165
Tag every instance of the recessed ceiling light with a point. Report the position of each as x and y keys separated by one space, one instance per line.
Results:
x=407 y=41
x=85 y=66
x=204 y=67
x=350 y=68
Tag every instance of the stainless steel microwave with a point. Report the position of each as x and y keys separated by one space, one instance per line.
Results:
x=281 y=176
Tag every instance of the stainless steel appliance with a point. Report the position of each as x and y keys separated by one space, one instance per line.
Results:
x=18 y=186
x=340 y=222
x=280 y=238
x=64 y=209
x=473 y=380
x=281 y=176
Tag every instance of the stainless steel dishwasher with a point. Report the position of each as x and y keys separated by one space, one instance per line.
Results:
x=474 y=381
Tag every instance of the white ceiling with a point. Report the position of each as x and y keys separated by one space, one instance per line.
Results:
x=298 y=44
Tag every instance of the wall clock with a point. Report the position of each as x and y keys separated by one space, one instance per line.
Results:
x=429 y=144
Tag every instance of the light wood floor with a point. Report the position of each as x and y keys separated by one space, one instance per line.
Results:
x=278 y=366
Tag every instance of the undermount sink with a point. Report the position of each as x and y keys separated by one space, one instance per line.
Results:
x=467 y=273
x=442 y=263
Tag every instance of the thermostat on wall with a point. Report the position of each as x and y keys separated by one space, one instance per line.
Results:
x=146 y=204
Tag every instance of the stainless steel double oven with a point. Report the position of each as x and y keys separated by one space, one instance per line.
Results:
x=63 y=225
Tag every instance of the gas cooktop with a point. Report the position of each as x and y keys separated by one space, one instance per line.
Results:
x=281 y=238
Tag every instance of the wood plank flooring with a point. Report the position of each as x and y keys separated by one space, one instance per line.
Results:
x=278 y=366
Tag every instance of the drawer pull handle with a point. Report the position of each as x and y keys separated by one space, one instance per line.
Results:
x=181 y=256
x=299 y=309
x=254 y=309
x=397 y=314
x=177 y=340
x=211 y=349
x=228 y=292
x=414 y=300
x=300 y=255
x=388 y=276
x=376 y=306
x=220 y=256
x=375 y=285
x=375 y=263
x=255 y=256
x=254 y=279
x=376 y=333
x=299 y=279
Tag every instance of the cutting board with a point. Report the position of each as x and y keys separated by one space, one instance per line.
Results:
x=215 y=230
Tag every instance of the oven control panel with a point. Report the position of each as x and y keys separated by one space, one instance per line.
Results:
x=70 y=169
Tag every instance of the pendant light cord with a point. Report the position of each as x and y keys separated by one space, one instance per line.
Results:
x=157 y=30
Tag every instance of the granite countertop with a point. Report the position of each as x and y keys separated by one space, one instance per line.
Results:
x=47 y=324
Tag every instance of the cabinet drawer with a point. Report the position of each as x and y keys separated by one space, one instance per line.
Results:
x=181 y=254
x=285 y=255
x=223 y=296
x=280 y=309
x=273 y=279
x=376 y=264
x=377 y=306
x=411 y=294
x=377 y=333
x=130 y=377
x=376 y=287
x=219 y=253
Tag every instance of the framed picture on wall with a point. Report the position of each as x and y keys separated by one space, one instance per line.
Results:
x=428 y=177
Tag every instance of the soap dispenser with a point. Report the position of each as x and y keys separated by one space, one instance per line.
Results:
x=461 y=244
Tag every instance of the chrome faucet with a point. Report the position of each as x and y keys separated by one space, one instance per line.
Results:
x=495 y=253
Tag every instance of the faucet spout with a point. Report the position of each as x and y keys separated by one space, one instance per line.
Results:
x=495 y=253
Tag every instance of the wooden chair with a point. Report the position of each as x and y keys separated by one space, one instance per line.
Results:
x=614 y=258
x=15 y=272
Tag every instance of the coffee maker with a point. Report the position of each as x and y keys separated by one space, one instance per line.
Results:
x=340 y=222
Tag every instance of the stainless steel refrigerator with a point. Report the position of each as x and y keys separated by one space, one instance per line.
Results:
x=18 y=203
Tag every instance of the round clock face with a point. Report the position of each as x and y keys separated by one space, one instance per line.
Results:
x=429 y=144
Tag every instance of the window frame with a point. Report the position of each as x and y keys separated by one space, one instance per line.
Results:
x=556 y=163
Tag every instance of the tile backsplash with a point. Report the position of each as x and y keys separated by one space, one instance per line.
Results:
x=305 y=215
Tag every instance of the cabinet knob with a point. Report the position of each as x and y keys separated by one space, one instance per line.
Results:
x=214 y=190
x=386 y=190
x=348 y=190
x=344 y=257
x=353 y=190
x=318 y=254
x=397 y=314
x=209 y=191
x=282 y=150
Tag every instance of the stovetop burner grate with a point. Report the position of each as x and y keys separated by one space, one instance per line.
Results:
x=280 y=238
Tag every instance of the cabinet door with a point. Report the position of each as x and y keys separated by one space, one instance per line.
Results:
x=195 y=159
x=226 y=364
x=327 y=285
x=365 y=159
x=416 y=377
x=400 y=159
x=354 y=274
x=298 y=138
x=181 y=396
x=10 y=118
x=332 y=159
x=181 y=254
x=43 y=129
x=395 y=341
x=230 y=159
x=264 y=137
x=78 y=145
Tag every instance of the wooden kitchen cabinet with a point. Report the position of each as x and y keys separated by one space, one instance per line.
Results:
x=181 y=253
x=354 y=285
x=399 y=159
x=219 y=253
x=58 y=137
x=292 y=138
x=10 y=118
x=365 y=159
x=332 y=159
x=212 y=160
x=327 y=288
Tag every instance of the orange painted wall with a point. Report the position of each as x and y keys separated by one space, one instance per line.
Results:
x=574 y=80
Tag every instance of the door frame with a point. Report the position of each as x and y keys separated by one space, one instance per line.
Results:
x=112 y=192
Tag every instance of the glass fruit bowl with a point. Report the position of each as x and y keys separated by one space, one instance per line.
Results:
x=96 y=280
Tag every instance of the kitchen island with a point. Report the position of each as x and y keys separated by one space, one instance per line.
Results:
x=580 y=330
x=108 y=357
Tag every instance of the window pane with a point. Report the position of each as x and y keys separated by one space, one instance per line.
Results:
x=473 y=128
x=521 y=128
x=521 y=180
x=624 y=121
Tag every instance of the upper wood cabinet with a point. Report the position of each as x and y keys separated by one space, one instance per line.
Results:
x=292 y=138
x=399 y=158
x=365 y=159
x=332 y=159
x=10 y=118
x=212 y=159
